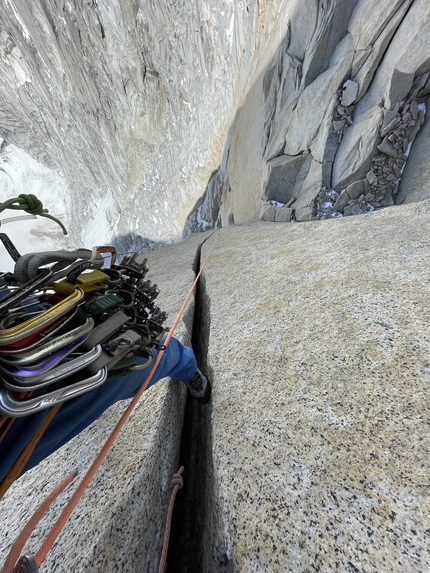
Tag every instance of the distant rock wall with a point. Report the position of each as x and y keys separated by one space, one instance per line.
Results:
x=335 y=124
x=127 y=102
x=136 y=108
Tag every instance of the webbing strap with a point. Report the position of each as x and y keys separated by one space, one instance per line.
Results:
x=24 y=456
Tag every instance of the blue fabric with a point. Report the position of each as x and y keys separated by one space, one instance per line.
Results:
x=178 y=362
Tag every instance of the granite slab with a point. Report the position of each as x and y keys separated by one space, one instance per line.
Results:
x=319 y=353
x=119 y=523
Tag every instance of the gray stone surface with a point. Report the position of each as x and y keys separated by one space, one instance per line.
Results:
x=358 y=146
x=119 y=523
x=131 y=107
x=387 y=147
x=406 y=52
x=349 y=93
x=415 y=183
x=318 y=351
x=353 y=191
x=382 y=18
x=275 y=213
x=316 y=126
x=398 y=87
x=304 y=206
x=283 y=171
x=127 y=102
x=141 y=111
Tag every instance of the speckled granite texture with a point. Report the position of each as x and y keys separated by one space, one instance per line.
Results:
x=320 y=444
x=119 y=523
x=320 y=354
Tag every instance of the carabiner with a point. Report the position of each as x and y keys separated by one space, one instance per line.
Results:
x=13 y=408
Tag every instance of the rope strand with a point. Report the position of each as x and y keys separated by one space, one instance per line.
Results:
x=177 y=482
x=22 y=538
x=32 y=205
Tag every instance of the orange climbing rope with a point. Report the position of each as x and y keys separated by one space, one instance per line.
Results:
x=67 y=511
x=177 y=482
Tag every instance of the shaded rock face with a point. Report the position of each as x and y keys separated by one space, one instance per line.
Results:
x=126 y=103
x=347 y=86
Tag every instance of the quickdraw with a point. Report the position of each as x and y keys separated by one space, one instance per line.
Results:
x=82 y=329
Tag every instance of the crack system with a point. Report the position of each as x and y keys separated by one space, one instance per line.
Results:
x=190 y=534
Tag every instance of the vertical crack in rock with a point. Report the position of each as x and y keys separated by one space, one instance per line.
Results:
x=190 y=533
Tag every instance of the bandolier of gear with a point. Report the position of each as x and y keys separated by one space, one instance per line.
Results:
x=67 y=328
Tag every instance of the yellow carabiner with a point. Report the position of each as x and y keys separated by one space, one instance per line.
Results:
x=16 y=333
x=86 y=281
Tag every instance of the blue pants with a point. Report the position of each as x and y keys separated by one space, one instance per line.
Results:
x=178 y=362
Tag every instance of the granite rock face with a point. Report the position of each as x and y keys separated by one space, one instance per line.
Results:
x=132 y=114
x=119 y=523
x=127 y=103
x=319 y=443
x=315 y=338
x=132 y=107
x=346 y=100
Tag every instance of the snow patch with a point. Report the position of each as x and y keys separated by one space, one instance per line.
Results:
x=20 y=173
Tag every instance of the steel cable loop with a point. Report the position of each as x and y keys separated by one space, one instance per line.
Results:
x=177 y=482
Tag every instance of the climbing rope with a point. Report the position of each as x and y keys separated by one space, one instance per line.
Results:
x=32 y=205
x=177 y=482
x=25 y=455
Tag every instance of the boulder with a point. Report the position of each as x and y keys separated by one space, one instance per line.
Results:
x=353 y=191
x=349 y=93
x=274 y=213
x=342 y=201
x=388 y=148
x=282 y=174
x=283 y=214
x=358 y=146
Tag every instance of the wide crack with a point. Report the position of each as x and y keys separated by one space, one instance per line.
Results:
x=190 y=534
